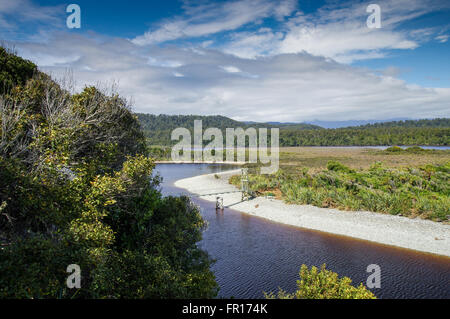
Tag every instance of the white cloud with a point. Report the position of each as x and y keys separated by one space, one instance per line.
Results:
x=442 y=38
x=284 y=87
x=24 y=21
x=25 y=10
x=252 y=44
x=207 y=19
x=231 y=69
x=340 y=32
x=289 y=72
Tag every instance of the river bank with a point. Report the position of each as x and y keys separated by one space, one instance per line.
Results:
x=416 y=234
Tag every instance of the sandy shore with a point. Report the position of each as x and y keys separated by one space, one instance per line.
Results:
x=416 y=234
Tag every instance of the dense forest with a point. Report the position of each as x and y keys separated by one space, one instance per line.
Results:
x=439 y=122
x=365 y=136
x=157 y=130
x=76 y=188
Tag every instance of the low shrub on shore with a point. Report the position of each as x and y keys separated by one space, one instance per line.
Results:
x=409 y=150
x=414 y=192
x=323 y=284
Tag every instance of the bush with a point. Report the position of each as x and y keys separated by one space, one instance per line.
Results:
x=416 y=150
x=76 y=188
x=338 y=167
x=413 y=192
x=14 y=70
x=323 y=284
x=394 y=149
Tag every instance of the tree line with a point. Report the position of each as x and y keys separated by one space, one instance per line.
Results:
x=158 y=128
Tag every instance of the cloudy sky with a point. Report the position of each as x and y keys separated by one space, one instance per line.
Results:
x=255 y=60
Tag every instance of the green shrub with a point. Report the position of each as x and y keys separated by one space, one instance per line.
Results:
x=422 y=191
x=415 y=150
x=14 y=70
x=394 y=149
x=76 y=188
x=338 y=167
x=323 y=284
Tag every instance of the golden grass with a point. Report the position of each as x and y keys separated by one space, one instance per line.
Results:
x=316 y=158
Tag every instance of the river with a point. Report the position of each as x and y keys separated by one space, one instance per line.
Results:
x=254 y=255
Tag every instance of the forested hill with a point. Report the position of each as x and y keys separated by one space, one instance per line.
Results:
x=411 y=132
x=428 y=136
x=158 y=128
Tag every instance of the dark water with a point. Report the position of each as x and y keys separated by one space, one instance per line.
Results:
x=254 y=255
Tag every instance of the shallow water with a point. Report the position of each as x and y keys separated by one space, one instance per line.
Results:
x=255 y=255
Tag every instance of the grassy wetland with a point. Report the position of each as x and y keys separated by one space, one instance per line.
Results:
x=411 y=182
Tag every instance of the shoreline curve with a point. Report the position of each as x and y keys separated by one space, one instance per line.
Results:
x=415 y=234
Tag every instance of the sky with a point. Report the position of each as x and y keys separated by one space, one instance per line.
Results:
x=251 y=60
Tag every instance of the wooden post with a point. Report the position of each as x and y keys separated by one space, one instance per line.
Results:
x=244 y=184
x=219 y=204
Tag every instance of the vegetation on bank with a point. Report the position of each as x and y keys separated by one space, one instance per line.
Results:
x=372 y=136
x=439 y=122
x=76 y=188
x=414 y=192
x=160 y=153
x=323 y=284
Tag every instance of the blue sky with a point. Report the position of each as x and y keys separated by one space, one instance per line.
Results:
x=256 y=60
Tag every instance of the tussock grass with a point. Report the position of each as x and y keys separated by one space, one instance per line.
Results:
x=418 y=191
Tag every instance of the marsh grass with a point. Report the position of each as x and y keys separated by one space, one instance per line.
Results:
x=409 y=183
x=316 y=158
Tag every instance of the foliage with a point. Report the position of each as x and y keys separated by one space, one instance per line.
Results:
x=158 y=131
x=76 y=188
x=158 y=128
x=368 y=136
x=409 y=150
x=338 y=167
x=160 y=152
x=323 y=284
x=412 y=192
x=394 y=149
x=13 y=70
x=439 y=122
